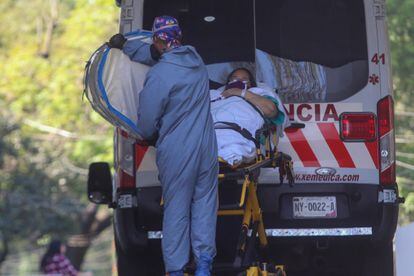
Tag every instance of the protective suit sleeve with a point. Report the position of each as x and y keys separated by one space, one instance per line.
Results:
x=152 y=102
x=139 y=51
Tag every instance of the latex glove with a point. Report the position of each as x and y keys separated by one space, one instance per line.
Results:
x=117 y=41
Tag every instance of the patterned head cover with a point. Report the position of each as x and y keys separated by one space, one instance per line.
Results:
x=167 y=29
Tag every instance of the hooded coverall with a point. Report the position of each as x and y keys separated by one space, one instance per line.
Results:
x=175 y=105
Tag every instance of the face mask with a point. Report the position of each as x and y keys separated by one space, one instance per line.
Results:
x=237 y=84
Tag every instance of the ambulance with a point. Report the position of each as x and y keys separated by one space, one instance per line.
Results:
x=329 y=62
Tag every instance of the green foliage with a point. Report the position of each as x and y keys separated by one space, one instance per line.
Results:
x=401 y=25
x=49 y=135
x=49 y=89
x=401 y=29
x=34 y=193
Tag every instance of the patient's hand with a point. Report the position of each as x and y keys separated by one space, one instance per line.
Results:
x=231 y=92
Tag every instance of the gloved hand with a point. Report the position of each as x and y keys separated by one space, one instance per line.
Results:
x=117 y=41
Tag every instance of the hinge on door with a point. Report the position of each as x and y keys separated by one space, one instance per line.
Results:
x=380 y=11
x=127 y=13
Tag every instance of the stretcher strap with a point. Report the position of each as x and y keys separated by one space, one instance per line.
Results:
x=255 y=108
x=233 y=126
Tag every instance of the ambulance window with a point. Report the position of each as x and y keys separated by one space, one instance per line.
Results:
x=312 y=50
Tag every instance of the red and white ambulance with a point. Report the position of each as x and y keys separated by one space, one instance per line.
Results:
x=330 y=63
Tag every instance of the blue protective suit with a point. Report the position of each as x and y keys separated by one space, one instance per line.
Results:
x=175 y=105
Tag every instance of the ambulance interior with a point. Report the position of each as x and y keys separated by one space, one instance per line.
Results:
x=279 y=42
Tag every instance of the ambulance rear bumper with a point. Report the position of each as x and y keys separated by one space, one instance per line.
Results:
x=360 y=215
x=360 y=211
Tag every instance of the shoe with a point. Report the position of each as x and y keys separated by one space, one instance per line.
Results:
x=204 y=266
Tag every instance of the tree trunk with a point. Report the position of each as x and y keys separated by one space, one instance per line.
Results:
x=4 y=249
x=51 y=24
x=92 y=225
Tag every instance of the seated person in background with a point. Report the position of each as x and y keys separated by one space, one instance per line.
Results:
x=248 y=105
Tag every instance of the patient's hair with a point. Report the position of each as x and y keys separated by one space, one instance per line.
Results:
x=251 y=78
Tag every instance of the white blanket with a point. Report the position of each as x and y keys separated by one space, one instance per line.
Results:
x=113 y=83
x=232 y=146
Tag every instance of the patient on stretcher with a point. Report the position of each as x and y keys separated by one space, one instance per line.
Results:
x=243 y=104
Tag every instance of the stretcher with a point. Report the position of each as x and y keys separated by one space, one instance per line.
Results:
x=252 y=230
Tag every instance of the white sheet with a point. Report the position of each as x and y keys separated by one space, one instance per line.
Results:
x=123 y=80
x=232 y=146
x=113 y=83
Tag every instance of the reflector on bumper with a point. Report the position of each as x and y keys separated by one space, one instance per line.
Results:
x=303 y=232
x=318 y=232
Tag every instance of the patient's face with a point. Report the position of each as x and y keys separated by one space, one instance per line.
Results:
x=241 y=75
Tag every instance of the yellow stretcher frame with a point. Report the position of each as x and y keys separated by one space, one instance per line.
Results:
x=249 y=205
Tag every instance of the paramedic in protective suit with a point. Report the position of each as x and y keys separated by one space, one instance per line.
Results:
x=175 y=105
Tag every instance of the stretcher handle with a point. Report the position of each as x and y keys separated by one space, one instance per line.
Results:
x=232 y=175
x=295 y=126
x=227 y=207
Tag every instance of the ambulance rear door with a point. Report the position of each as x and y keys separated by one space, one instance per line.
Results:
x=317 y=55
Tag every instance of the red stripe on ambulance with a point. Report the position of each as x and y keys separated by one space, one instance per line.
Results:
x=319 y=144
x=373 y=151
x=302 y=148
x=335 y=144
x=139 y=154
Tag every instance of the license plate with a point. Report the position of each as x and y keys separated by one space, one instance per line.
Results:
x=314 y=207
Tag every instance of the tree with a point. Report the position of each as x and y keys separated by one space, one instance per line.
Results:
x=34 y=200
x=56 y=135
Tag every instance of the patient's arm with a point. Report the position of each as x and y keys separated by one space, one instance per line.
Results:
x=265 y=105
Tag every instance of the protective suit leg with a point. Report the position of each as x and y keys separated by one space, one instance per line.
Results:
x=178 y=181
x=204 y=216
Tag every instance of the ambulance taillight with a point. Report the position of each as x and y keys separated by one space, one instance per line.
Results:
x=125 y=160
x=385 y=110
x=358 y=127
